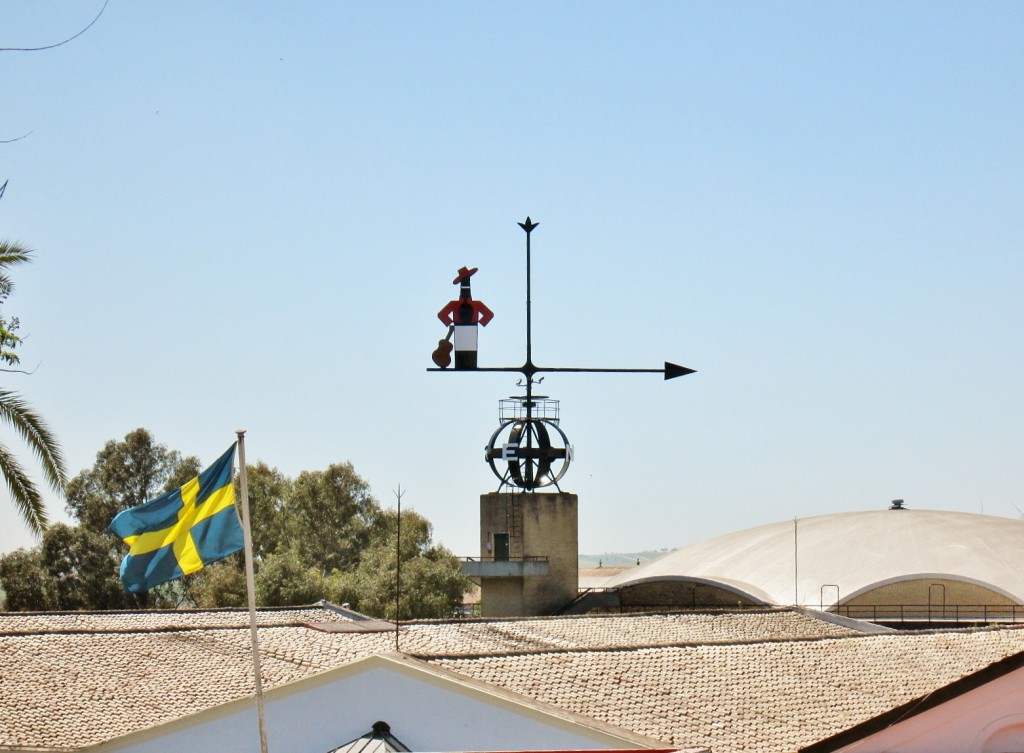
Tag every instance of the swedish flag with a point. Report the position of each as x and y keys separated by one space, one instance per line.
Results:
x=180 y=532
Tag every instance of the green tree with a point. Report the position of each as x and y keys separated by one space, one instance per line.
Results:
x=330 y=516
x=323 y=535
x=19 y=415
x=126 y=474
x=25 y=582
x=283 y=580
x=431 y=580
x=82 y=569
x=222 y=584
x=183 y=470
x=269 y=491
x=79 y=564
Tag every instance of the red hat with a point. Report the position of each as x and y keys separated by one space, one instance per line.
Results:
x=463 y=274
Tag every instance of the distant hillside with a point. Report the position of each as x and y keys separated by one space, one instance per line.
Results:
x=620 y=559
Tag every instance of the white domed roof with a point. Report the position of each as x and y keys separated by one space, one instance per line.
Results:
x=854 y=551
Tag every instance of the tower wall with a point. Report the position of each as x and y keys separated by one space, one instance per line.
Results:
x=537 y=525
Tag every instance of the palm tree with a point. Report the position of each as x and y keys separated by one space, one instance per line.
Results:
x=17 y=413
x=10 y=254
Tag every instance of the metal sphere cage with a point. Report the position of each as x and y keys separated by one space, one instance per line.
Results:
x=528 y=440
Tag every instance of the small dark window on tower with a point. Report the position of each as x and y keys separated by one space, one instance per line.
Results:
x=501 y=547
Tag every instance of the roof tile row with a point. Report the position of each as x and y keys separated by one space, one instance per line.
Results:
x=770 y=681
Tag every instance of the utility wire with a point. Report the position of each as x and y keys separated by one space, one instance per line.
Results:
x=11 y=141
x=58 y=44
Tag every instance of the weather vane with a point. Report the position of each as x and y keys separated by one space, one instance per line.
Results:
x=535 y=451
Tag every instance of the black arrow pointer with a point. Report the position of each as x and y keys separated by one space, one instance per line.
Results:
x=671 y=370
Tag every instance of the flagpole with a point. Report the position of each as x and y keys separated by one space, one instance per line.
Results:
x=398 y=568
x=250 y=584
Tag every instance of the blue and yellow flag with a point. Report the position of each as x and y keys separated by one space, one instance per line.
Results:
x=180 y=532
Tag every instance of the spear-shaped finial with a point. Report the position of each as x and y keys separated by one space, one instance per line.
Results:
x=529 y=225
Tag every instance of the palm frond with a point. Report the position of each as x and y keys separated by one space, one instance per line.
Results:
x=11 y=254
x=24 y=493
x=15 y=411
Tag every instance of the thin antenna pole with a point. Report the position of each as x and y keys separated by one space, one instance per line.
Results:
x=250 y=585
x=796 y=590
x=398 y=567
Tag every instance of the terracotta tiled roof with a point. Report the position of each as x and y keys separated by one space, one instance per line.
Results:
x=774 y=696
x=762 y=680
x=44 y=622
x=611 y=631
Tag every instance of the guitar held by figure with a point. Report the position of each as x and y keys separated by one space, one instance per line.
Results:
x=442 y=356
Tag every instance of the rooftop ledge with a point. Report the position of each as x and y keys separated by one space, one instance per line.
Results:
x=513 y=567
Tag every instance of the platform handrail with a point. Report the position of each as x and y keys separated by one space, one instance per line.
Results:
x=930 y=613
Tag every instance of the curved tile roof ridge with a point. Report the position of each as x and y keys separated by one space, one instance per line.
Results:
x=598 y=615
x=167 y=620
x=628 y=648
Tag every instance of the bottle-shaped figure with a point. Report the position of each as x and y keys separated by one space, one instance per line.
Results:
x=464 y=315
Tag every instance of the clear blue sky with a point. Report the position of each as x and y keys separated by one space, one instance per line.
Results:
x=248 y=215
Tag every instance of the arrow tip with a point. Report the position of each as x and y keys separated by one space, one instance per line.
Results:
x=673 y=370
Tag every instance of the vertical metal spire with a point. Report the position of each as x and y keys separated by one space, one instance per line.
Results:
x=528 y=226
x=528 y=367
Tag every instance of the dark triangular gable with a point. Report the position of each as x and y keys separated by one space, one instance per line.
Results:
x=377 y=740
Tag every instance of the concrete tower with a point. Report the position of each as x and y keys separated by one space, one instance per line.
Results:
x=529 y=553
